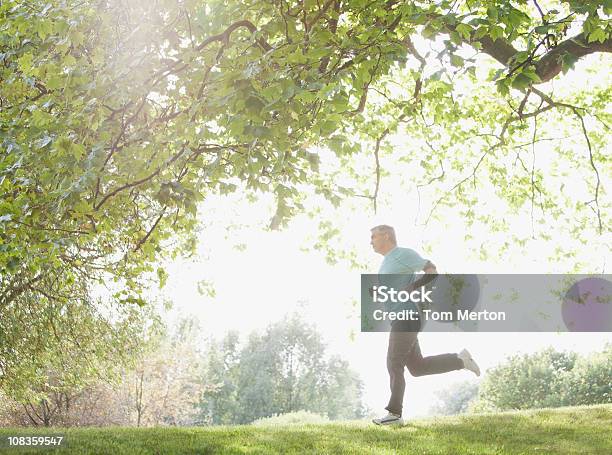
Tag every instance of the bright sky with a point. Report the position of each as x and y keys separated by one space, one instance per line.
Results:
x=257 y=284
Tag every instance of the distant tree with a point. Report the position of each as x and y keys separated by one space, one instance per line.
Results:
x=455 y=399
x=341 y=392
x=547 y=379
x=166 y=383
x=283 y=370
x=221 y=369
x=590 y=381
x=527 y=381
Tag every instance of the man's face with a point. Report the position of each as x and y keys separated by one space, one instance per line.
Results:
x=379 y=241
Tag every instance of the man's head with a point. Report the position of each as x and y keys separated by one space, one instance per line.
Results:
x=383 y=239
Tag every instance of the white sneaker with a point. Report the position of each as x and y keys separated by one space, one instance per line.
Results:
x=389 y=419
x=468 y=362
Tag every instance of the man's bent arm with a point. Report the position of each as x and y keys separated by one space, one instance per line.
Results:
x=430 y=274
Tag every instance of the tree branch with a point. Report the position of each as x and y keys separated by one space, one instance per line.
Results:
x=596 y=200
x=333 y=26
x=148 y=234
x=377 y=162
x=501 y=141
x=224 y=36
x=15 y=292
x=320 y=14
x=139 y=182
x=366 y=86
x=550 y=65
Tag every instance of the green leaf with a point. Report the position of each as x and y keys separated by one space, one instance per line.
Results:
x=162 y=277
x=496 y=32
x=25 y=63
x=464 y=30
x=328 y=127
x=456 y=38
x=318 y=53
x=254 y=104
x=12 y=264
x=521 y=81
x=297 y=57
x=429 y=32
x=480 y=32
x=531 y=74
x=598 y=34
x=456 y=60
x=502 y=86
x=567 y=61
x=492 y=13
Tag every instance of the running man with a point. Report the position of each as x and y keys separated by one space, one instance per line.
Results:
x=404 y=349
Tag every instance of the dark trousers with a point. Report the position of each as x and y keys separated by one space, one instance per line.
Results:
x=404 y=351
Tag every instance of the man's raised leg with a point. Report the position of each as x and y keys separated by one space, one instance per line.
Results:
x=434 y=364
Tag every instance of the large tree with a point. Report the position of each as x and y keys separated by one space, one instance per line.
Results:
x=118 y=117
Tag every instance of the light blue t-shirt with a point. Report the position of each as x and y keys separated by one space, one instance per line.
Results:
x=402 y=263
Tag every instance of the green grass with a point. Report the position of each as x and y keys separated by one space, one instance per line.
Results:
x=576 y=430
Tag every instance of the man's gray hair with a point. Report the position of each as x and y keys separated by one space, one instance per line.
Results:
x=386 y=229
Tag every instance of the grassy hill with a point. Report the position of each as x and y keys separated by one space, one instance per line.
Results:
x=575 y=430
